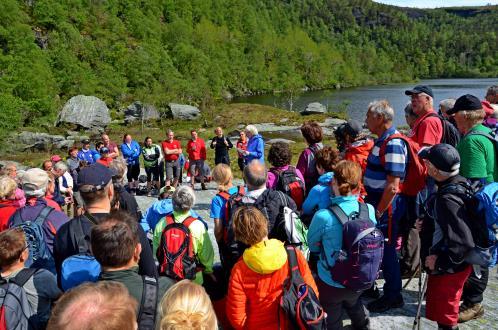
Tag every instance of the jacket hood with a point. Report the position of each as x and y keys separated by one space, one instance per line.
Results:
x=326 y=178
x=265 y=257
x=256 y=137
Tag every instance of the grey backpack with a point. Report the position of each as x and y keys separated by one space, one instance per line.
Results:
x=16 y=312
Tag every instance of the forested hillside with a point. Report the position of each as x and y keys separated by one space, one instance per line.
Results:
x=197 y=51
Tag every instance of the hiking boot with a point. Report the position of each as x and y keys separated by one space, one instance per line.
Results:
x=468 y=313
x=384 y=304
x=203 y=186
x=372 y=293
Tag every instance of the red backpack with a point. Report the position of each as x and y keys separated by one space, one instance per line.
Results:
x=176 y=252
x=229 y=200
x=290 y=184
x=416 y=172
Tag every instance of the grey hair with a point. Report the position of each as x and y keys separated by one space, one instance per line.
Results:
x=382 y=108
x=492 y=90
x=62 y=166
x=431 y=100
x=252 y=129
x=447 y=104
x=255 y=174
x=183 y=199
x=118 y=166
x=409 y=110
x=169 y=131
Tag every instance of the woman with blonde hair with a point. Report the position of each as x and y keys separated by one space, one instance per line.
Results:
x=186 y=306
x=8 y=205
x=255 y=285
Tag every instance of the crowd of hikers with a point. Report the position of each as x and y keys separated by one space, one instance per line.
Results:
x=298 y=245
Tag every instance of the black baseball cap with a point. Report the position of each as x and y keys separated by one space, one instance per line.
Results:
x=353 y=127
x=85 y=141
x=94 y=177
x=465 y=102
x=104 y=150
x=420 y=89
x=444 y=157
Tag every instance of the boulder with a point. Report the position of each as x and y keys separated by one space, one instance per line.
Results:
x=271 y=141
x=64 y=144
x=86 y=111
x=183 y=111
x=314 y=108
x=332 y=122
x=136 y=110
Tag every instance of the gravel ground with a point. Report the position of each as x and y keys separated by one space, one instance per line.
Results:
x=396 y=319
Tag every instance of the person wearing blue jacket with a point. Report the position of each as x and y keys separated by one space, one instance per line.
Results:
x=319 y=195
x=131 y=153
x=255 y=146
x=86 y=154
x=325 y=239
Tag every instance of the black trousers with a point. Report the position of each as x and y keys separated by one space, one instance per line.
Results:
x=335 y=300
x=473 y=289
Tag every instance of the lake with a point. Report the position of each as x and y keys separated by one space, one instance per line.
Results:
x=356 y=100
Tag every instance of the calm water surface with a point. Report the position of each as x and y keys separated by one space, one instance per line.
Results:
x=355 y=100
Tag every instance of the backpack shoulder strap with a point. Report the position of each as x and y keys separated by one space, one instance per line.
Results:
x=339 y=214
x=147 y=314
x=223 y=194
x=489 y=136
x=187 y=222
x=363 y=211
x=293 y=265
x=169 y=219
x=42 y=216
x=79 y=233
x=23 y=276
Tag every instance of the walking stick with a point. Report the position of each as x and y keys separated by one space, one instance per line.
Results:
x=421 y=292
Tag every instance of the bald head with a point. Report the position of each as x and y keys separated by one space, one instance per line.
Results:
x=103 y=305
x=255 y=175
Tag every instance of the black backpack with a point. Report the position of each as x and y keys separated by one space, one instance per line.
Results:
x=451 y=135
x=299 y=302
x=146 y=318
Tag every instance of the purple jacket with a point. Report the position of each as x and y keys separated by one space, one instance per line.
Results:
x=50 y=227
x=271 y=182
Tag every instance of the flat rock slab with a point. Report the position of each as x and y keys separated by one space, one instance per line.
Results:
x=183 y=111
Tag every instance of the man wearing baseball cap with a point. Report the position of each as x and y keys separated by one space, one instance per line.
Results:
x=478 y=163
x=86 y=154
x=446 y=238
x=96 y=190
x=428 y=128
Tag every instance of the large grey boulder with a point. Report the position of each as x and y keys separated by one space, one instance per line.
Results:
x=136 y=110
x=314 y=108
x=86 y=111
x=183 y=111
x=41 y=141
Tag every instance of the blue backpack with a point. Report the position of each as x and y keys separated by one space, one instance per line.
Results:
x=81 y=267
x=39 y=253
x=357 y=264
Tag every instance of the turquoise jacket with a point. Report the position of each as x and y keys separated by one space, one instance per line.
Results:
x=325 y=234
x=319 y=196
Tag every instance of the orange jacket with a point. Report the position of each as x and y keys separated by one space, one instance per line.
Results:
x=358 y=152
x=255 y=286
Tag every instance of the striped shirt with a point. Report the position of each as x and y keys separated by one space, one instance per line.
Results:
x=396 y=158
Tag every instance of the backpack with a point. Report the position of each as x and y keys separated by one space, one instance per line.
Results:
x=357 y=264
x=290 y=184
x=451 y=135
x=81 y=267
x=39 y=253
x=299 y=302
x=146 y=317
x=481 y=207
x=176 y=251
x=312 y=173
x=416 y=171
x=16 y=312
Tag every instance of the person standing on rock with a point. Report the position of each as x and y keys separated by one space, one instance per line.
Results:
x=113 y=147
x=151 y=154
x=196 y=150
x=172 y=149
x=255 y=146
x=221 y=146
x=131 y=152
x=241 y=146
x=86 y=154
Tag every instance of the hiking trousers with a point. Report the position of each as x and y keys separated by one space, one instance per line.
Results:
x=473 y=289
x=335 y=300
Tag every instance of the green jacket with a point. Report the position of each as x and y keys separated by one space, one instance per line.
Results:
x=151 y=155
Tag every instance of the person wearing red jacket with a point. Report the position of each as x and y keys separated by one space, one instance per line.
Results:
x=8 y=203
x=255 y=285
x=196 y=150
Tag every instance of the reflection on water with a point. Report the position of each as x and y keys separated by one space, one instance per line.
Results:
x=355 y=100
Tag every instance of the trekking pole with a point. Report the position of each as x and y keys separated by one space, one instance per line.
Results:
x=422 y=290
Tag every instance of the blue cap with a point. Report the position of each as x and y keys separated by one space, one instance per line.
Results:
x=420 y=89
x=94 y=177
